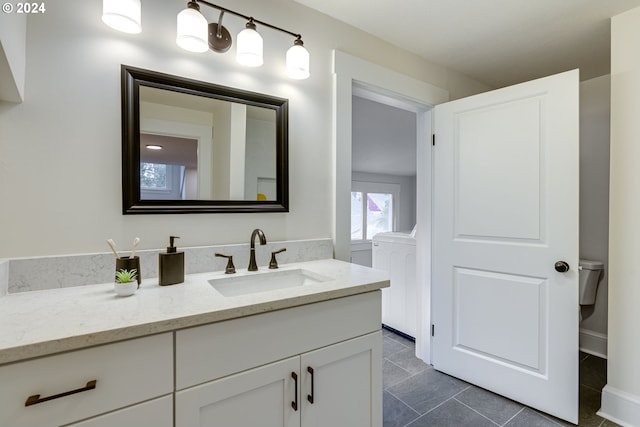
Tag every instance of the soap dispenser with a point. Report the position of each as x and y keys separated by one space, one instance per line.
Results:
x=171 y=268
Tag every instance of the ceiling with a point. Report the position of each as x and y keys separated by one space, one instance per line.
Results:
x=175 y=150
x=384 y=138
x=497 y=42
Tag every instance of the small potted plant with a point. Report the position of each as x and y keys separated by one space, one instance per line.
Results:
x=126 y=282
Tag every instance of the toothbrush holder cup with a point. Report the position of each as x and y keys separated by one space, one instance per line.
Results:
x=127 y=263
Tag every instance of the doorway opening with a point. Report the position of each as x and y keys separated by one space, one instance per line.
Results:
x=383 y=167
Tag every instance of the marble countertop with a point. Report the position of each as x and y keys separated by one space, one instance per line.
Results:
x=40 y=323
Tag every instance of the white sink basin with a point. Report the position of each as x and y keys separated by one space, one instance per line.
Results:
x=251 y=283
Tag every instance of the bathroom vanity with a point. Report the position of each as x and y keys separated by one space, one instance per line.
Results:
x=187 y=355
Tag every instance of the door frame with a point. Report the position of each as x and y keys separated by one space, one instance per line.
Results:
x=349 y=72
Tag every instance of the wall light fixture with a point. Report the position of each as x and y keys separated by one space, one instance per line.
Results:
x=122 y=15
x=195 y=34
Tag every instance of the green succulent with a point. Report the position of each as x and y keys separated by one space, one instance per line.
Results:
x=126 y=276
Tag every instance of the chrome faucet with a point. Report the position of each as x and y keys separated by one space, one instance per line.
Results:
x=252 y=255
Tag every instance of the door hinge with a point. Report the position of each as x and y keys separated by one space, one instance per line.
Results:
x=433 y=139
x=433 y=330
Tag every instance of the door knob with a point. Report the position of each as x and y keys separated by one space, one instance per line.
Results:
x=561 y=267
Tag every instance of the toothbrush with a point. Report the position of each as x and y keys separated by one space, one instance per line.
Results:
x=135 y=244
x=112 y=245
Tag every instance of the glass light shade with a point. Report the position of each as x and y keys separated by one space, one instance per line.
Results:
x=122 y=15
x=193 y=31
x=249 y=51
x=297 y=62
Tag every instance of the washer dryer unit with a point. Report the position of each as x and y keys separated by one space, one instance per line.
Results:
x=396 y=253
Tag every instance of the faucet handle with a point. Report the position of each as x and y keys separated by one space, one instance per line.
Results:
x=274 y=263
x=230 y=268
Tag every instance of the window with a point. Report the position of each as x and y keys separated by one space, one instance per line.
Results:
x=373 y=209
x=153 y=176
x=159 y=181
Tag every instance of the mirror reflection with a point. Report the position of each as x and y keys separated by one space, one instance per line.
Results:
x=191 y=146
x=197 y=148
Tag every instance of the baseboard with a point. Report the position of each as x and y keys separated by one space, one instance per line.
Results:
x=593 y=343
x=397 y=332
x=620 y=407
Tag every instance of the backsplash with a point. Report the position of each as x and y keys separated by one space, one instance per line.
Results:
x=33 y=274
x=4 y=277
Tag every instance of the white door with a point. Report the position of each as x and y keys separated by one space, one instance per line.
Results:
x=506 y=210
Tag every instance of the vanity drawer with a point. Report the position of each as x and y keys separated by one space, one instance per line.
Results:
x=125 y=373
x=213 y=351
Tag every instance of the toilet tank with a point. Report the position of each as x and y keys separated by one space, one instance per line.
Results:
x=589 y=278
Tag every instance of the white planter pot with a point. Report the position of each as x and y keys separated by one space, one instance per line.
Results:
x=125 y=289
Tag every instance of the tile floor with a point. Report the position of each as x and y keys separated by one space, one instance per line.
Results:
x=416 y=395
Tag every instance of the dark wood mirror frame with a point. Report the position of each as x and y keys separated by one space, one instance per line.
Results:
x=132 y=79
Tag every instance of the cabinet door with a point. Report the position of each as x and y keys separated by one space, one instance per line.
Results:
x=346 y=384
x=257 y=397
x=155 y=413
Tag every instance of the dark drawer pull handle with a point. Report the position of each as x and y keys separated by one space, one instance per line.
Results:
x=310 y=396
x=294 y=404
x=32 y=400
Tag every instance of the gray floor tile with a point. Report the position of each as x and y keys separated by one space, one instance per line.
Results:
x=391 y=346
x=392 y=374
x=492 y=406
x=426 y=390
x=395 y=336
x=407 y=360
x=556 y=420
x=530 y=418
x=395 y=413
x=593 y=372
x=589 y=405
x=452 y=414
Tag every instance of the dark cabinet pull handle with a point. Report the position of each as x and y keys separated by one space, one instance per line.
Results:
x=294 y=404
x=32 y=400
x=310 y=396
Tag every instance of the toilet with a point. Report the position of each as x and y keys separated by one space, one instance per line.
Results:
x=589 y=278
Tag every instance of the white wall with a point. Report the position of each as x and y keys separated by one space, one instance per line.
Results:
x=594 y=203
x=60 y=150
x=621 y=395
x=260 y=157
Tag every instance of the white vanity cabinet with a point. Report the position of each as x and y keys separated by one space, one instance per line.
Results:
x=249 y=371
x=68 y=387
x=155 y=413
x=308 y=357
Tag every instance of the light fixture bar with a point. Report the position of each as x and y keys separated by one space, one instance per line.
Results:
x=249 y=18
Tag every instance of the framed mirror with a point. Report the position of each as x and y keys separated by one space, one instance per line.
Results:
x=194 y=147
